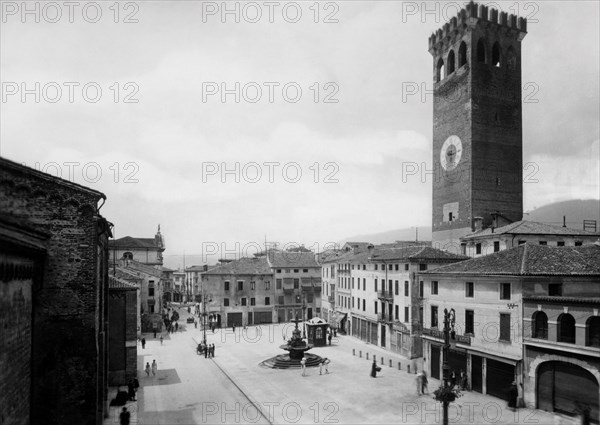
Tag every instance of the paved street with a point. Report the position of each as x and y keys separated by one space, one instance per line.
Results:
x=233 y=388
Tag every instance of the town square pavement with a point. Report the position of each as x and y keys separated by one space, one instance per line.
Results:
x=233 y=388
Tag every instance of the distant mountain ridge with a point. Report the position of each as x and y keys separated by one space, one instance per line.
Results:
x=575 y=211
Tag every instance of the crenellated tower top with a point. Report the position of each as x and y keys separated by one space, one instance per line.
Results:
x=472 y=15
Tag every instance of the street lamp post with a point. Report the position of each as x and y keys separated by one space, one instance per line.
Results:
x=303 y=316
x=449 y=320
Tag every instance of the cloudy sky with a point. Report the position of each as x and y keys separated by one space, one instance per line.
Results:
x=144 y=109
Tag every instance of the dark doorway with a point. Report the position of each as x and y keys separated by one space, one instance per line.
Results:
x=476 y=371
x=435 y=362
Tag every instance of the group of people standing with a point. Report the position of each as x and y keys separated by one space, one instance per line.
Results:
x=208 y=350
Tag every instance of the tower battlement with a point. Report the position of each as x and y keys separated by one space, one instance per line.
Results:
x=471 y=15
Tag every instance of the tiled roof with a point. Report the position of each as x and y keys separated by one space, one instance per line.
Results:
x=129 y=242
x=116 y=283
x=414 y=253
x=525 y=227
x=292 y=259
x=243 y=266
x=532 y=260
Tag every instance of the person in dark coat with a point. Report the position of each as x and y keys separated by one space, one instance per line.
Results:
x=213 y=350
x=206 y=351
x=329 y=337
x=143 y=343
x=124 y=417
x=513 y=394
x=131 y=390
x=374 y=369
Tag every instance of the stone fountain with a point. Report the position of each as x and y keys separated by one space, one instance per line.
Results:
x=297 y=350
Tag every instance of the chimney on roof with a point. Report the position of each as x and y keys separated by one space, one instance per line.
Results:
x=564 y=221
x=478 y=223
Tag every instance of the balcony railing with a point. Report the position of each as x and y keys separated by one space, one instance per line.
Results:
x=385 y=295
x=438 y=334
x=331 y=299
x=385 y=318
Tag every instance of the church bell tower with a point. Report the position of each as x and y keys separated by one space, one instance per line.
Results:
x=477 y=122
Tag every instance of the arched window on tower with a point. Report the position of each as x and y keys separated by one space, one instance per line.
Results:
x=439 y=70
x=540 y=325
x=451 y=62
x=496 y=55
x=462 y=54
x=511 y=58
x=481 y=51
x=566 y=328
x=592 y=327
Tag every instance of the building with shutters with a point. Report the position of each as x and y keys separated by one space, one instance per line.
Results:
x=143 y=250
x=561 y=331
x=488 y=296
x=298 y=285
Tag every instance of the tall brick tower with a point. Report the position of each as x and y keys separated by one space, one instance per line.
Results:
x=477 y=124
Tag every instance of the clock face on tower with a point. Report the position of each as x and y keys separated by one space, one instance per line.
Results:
x=451 y=153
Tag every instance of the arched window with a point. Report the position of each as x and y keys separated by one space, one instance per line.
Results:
x=566 y=328
x=496 y=55
x=451 y=62
x=540 y=325
x=481 y=51
x=592 y=327
x=462 y=54
x=127 y=256
x=511 y=58
x=439 y=70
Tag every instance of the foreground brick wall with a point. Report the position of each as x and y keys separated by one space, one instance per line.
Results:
x=69 y=311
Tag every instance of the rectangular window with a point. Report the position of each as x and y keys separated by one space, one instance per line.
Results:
x=296 y=270
x=364 y=284
x=304 y=270
x=469 y=316
x=478 y=248
x=375 y=266
x=422 y=267
x=227 y=285
x=352 y=302
x=396 y=312
x=578 y=243
x=267 y=285
x=406 y=290
x=267 y=301
x=376 y=285
x=296 y=283
x=151 y=309
x=226 y=302
x=390 y=266
x=397 y=267
x=543 y=243
x=281 y=300
x=496 y=246
x=364 y=267
x=375 y=303
x=278 y=283
x=406 y=267
x=352 y=283
x=151 y=291
x=406 y=315
x=469 y=289
x=243 y=301
x=364 y=305
x=555 y=289
x=253 y=285
x=240 y=285
x=522 y=242
x=397 y=288
x=434 y=287
x=278 y=270
x=434 y=316
x=560 y=243
x=505 y=327
x=252 y=301
x=421 y=289
x=505 y=291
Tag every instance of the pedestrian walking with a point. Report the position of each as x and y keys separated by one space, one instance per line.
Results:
x=143 y=343
x=329 y=337
x=176 y=326
x=321 y=366
x=196 y=324
x=303 y=366
x=213 y=350
x=131 y=390
x=464 y=382
x=424 y=382
x=419 y=381
x=161 y=340
x=374 y=369
x=124 y=417
x=154 y=367
x=324 y=363
x=147 y=369
x=154 y=333
x=206 y=351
